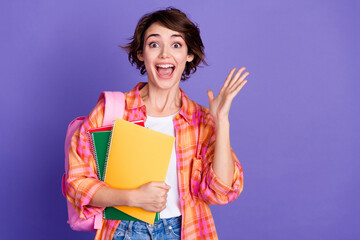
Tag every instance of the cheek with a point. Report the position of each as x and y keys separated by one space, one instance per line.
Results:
x=180 y=56
x=181 y=59
x=148 y=61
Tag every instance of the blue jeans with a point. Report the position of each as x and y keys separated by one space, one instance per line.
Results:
x=165 y=228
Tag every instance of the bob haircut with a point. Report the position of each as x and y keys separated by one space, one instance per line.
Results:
x=175 y=20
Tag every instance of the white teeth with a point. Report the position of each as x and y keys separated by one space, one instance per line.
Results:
x=164 y=65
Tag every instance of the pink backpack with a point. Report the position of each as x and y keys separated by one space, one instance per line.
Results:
x=114 y=107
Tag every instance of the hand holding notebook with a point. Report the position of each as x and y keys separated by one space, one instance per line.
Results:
x=152 y=196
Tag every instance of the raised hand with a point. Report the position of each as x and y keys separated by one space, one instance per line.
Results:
x=220 y=105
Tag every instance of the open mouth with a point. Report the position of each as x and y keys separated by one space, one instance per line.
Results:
x=165 y=70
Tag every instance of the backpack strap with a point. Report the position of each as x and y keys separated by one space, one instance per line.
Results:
x=114 y=106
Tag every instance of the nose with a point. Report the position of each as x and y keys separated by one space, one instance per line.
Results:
x=164 y=52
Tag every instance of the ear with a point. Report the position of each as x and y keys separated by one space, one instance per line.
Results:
x=140 y=55
x=190 y=57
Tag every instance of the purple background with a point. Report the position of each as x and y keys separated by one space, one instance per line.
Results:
x=294 y=126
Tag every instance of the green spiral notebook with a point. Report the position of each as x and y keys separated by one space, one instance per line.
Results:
x=99 y=141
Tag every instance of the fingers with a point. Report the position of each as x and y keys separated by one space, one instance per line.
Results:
x=239 y=86
x=237 y=77
x=153 y=196
x=229 y=77
x=165 y=186
x=210 y=95
x=162 y=185
x=163 y=196
x=160 y=206
x=232 y=80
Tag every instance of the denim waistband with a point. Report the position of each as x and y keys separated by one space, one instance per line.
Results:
x=140 y=225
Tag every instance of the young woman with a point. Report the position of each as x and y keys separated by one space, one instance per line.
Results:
x=203 y=168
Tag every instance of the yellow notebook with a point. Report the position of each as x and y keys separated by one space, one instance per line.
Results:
x=136 y=156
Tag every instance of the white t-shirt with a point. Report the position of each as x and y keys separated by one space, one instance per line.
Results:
x=165 y=125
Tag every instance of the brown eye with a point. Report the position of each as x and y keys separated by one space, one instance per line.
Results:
x=176 y=45
x=153 y=45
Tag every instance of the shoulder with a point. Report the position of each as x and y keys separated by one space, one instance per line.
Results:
x=98 y=110
x=200 y=121
x=199 y=114
x=95 y=117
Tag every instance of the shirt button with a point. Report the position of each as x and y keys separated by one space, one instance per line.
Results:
x=183 y=197
x=182 y=171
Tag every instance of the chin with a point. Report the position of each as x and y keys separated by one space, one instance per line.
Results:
x=166 y=83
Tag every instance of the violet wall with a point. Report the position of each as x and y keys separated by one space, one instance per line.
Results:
x=294 y=126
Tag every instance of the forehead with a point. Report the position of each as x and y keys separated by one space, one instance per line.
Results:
x=158 y=30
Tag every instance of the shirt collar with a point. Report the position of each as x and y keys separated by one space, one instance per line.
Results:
x=187 y=111
x=133 y=99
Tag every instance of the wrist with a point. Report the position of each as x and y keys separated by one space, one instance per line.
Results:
x=123 y=197
x=132 y=197
x=222 y=123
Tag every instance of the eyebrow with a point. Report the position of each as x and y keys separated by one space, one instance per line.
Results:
x=158 y=35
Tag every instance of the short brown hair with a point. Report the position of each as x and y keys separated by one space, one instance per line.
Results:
x=175 y=20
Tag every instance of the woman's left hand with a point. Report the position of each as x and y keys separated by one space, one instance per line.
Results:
x=220 y=105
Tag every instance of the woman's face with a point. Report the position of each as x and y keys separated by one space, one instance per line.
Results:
x=165 y=54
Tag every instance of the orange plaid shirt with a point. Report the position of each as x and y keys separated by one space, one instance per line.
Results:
x=194 y=144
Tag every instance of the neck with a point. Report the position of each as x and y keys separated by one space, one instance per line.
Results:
x=159 y=102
